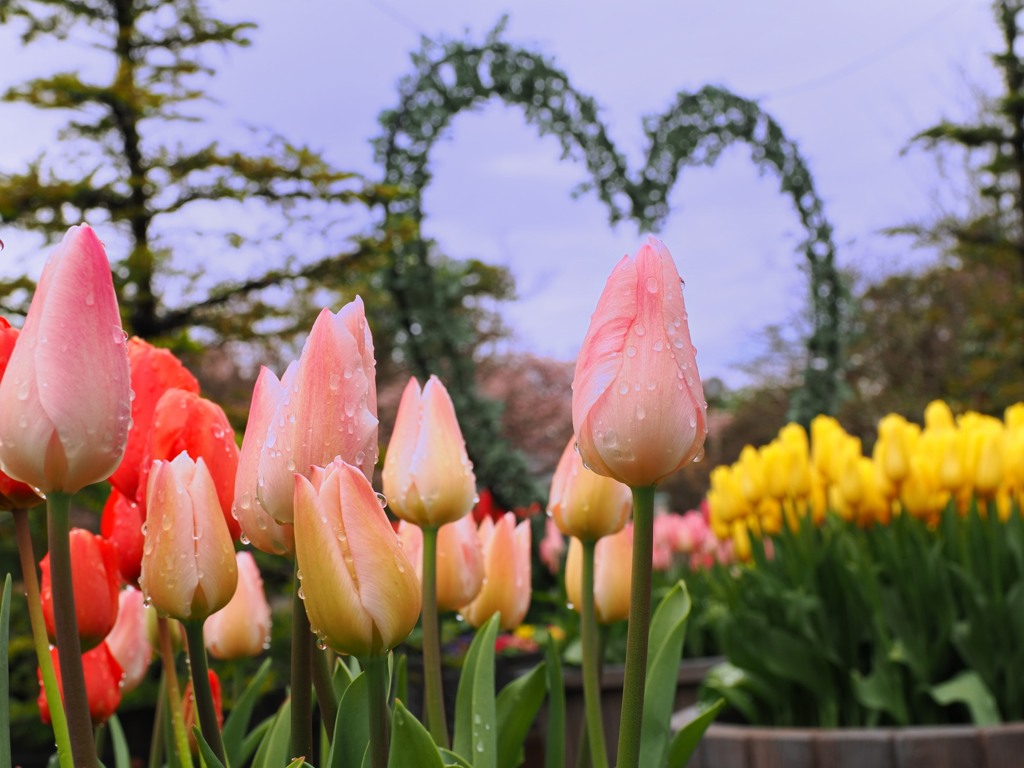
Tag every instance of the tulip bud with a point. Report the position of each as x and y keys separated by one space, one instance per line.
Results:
x=95 y=582
x=460 y=561
x=102 y=684
x=584 y=504
x=13 y=494
x=428 y=479
x=329 y=409
x=259 y=528
x=613 y=558
x=185 y=422
x=65 y=398
x=638 y=409
x=121 y=525
x=129 y=641
x=360 y=590
x=188 y=565
x=506 y=587
x=153 y=372
x=241 y=628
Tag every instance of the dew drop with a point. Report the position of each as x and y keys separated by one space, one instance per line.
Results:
x=630 y=351
x=652 y=284
x=639 y=330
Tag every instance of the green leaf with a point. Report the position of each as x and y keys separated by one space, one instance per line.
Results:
x=475 y=732
x=341 y=679
x=740 y=688
x=254 y=738
x=209 y=758
x=273 y=750
x=969 y=689
x=411 y=743
x=882 y=690
x=122 y=757
x=299 y=762
x=554 y=749
x=352 y=728
x=237 y=723
x=401 y=678
x=451 y=760
x=5 y=683
x=686 y=741
x=515 y=711
x=668 y=630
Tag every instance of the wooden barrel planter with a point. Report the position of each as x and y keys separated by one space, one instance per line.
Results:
x=961 y=746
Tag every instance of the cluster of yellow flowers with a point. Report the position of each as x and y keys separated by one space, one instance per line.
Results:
x=912 y=469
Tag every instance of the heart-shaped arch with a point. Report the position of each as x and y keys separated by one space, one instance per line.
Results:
x=458 y=75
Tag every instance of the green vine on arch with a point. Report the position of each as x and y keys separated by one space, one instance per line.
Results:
x=452 y=77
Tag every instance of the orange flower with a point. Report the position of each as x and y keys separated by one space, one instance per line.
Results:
x=586 y=505
x=242 y=627
x=506 y=587
x=460 y=561
x=121 y=524
x=612 y=575
x=102 y=684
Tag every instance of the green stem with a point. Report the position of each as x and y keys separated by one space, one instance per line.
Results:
x=432 y=685
x=201 y=688
x=156 y=739
x=324 y=687
x=69 y=648
x=173 y=692
x=591 y=673
x=377 y=678
x=301 y=672
x=632 y=715
x=40 y=638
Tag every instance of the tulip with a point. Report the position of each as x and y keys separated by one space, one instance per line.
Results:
x=638 y=409
x=153 y=372
x=241 y=628
x=121 y=524
x=188 y=707
x=13 y=494
x=613 y=556
x=552 y=546
x=584 y=504
x=102 y=684
x=65 y=398
x=506 y=587
x=428 y=479
x=460 y=560
x=96 y=581
x=360 y=590
x=188 y=565
x=329 y=409
x=129 y=641
x=258 y=528
x=185 y=422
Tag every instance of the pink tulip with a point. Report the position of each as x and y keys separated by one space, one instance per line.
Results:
x=241 y=629
x=507 y=584
x=128 y=640
x=552 y=546
x=584 y=504
x=460 y=561
x=260 y=529
x=612 y=575
x=428 y=479
x=638 y=409
x=65 y=399
x=188 y=564
x=360 y=590
x=329 y=409
x=13 y=494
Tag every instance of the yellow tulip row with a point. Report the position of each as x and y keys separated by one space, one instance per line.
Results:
x=911 y=469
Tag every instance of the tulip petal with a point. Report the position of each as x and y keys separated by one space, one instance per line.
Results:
x=216 y=570
x=169 y=571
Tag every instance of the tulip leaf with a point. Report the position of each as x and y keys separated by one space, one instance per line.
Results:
x=668 y=630
x=352 y=728
x=273 y=750
x=516 y=709
x=253 y=739
x=237 y=723
x=554 y=749
x=686 y=741
x=969 y=689
x=411 y=743
x=341 y=679
x=122 y=757
x=210 y=759
x=401 y=676
x=5 y=684
x=475 y=732
x=451 y=760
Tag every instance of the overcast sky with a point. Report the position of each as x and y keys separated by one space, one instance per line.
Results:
x=849 y=82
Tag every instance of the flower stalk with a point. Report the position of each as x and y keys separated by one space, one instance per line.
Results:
x=376 y=667
x=173 y=692
x=301 y=676
x=433 y=690
x=592 y=662
x=201 y=688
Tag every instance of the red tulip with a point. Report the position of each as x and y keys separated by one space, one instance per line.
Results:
x=242 y=627
x=184 y=421
x=638 y=409
x=129 y=641
x=13 y=494
x=102 y=683
x=121 y=524
x=65 y=399
x=188 y=706
x=153 y=372
x=329 y=409
x=261 y=530
x=506 y=587
x=96 y=581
